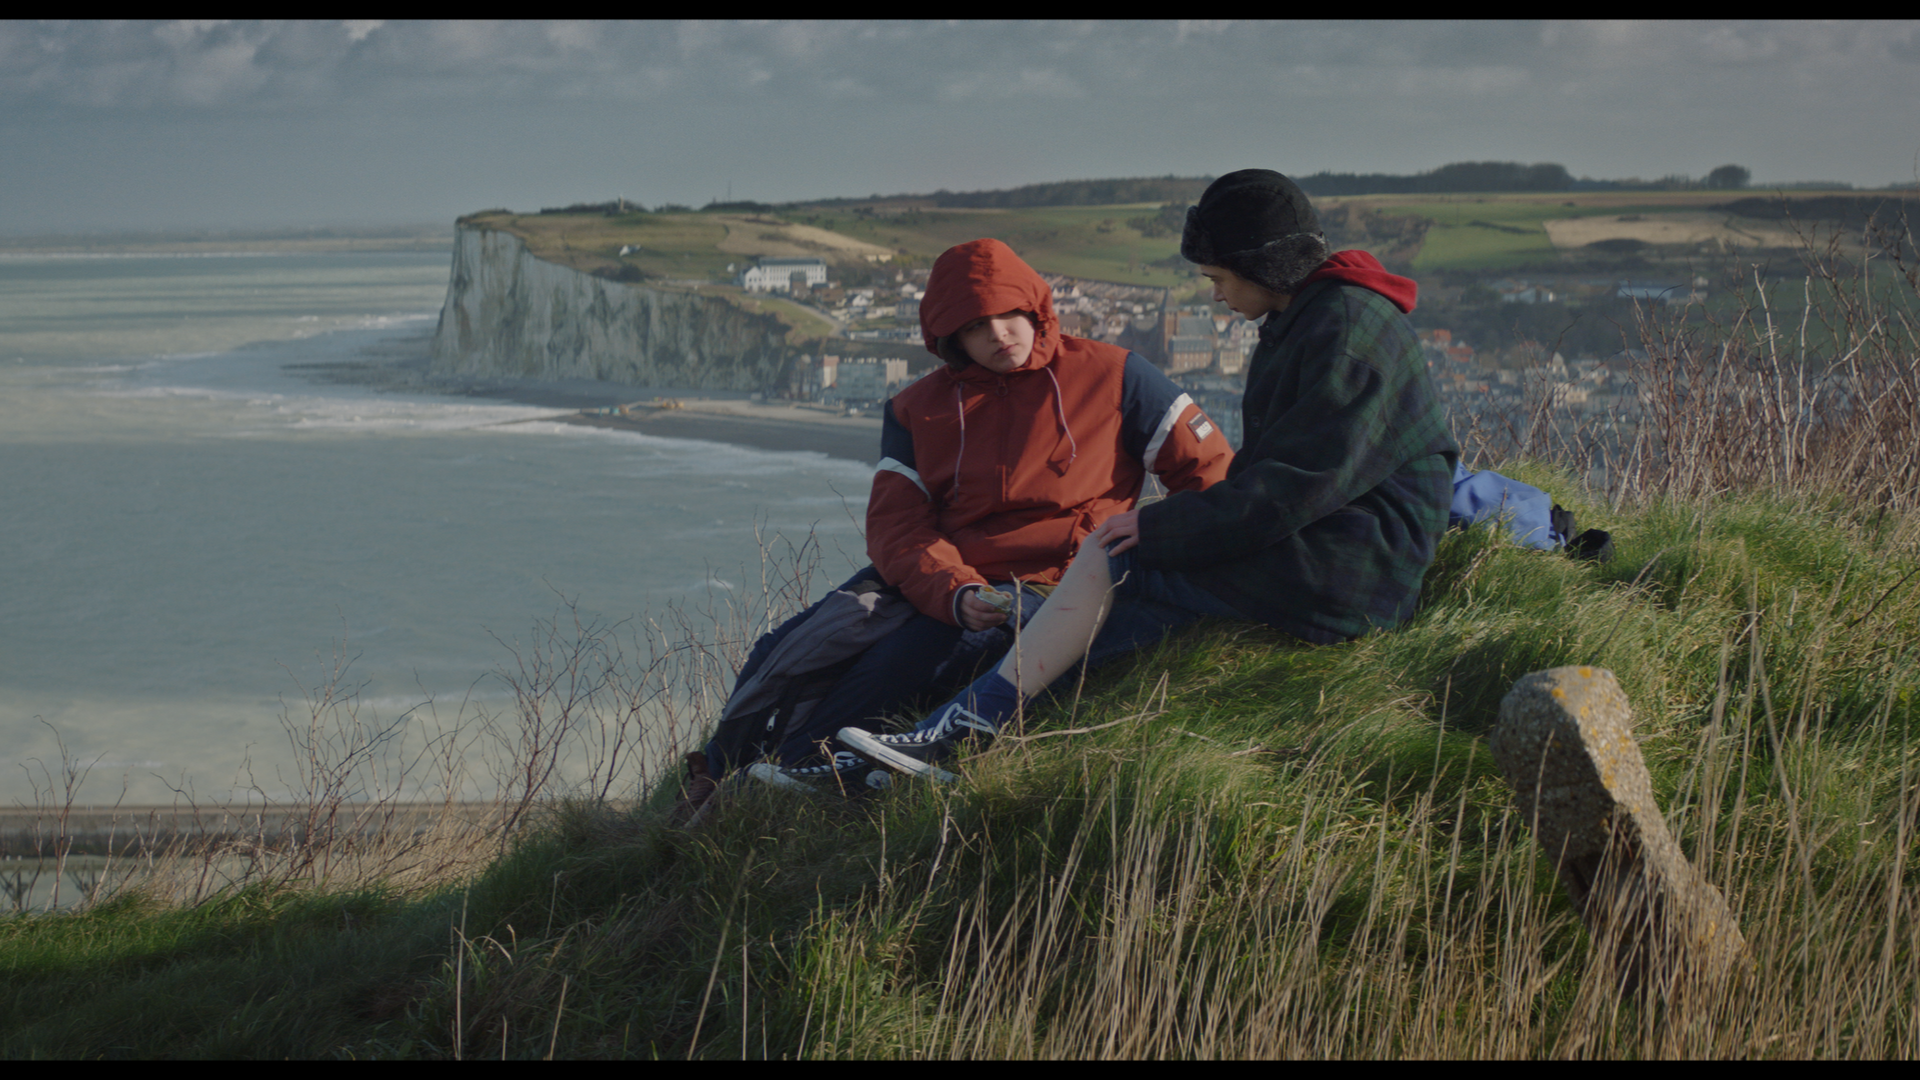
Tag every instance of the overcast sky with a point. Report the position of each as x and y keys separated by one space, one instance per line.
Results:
x=212 y=124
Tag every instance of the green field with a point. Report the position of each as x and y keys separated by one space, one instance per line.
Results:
x=1467 y=232
x=1083 y=241
x=1496 y=231
x=805 y=323
x=672 y=246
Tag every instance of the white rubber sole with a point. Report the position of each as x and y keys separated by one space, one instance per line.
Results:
x=771 y=774
x=869 y=746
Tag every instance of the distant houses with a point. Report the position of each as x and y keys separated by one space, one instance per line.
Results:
x=869 y=380
x=846 y=380
x=1197 y=338
x=780 y=275
x=1189 y=353
x=1441 y=349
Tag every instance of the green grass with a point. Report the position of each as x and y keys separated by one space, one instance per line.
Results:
x=256 y=973
x=1084 y=241
x=1251 y=847
x=672 y=246
x=1496 y=231
x=806 y=324
x=1487 y=232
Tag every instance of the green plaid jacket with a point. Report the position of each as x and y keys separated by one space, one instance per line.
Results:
x=1330 y=512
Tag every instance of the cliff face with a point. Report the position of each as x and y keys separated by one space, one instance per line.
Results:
x=510 y=315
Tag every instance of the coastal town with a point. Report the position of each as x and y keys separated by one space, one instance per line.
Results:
x=1202 y=346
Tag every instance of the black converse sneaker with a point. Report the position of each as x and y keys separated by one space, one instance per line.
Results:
x=915 y=752
x=846 y=773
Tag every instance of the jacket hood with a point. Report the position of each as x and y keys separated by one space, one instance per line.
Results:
x=1359 y=268
x=981 y=278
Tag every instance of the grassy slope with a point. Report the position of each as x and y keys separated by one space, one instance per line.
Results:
x=805 y=324
x=1083 y=241
x=1470 y=232
x=1461 y=237
x=1270 y=849
x=675 y=246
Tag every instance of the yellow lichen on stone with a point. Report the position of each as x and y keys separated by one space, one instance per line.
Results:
x=1564 y=742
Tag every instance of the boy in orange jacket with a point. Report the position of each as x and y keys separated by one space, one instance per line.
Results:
x=994 y=468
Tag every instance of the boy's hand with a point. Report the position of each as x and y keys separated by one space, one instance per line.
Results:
x=977 y=614
x=1118 y=533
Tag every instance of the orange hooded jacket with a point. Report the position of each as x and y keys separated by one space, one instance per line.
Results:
x=987 y=477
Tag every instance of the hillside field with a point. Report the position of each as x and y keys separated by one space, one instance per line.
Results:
x=1488 y=232
x=1499 y=231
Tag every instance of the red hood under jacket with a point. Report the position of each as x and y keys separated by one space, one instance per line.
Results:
x=1359 y=268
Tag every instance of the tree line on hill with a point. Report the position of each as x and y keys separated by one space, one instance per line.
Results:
x=1461 y=176
x=1182 y=191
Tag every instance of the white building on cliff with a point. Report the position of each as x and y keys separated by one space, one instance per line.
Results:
x=776 y=275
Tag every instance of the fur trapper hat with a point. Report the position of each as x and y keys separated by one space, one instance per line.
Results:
x=1258 y=224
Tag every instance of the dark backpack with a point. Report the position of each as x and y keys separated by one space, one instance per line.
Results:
x=802 y=669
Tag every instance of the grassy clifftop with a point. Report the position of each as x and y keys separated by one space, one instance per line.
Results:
x=1233 y=846
x=1138 y=244
x=1236 y=846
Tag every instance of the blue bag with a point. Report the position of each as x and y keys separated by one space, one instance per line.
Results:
x=1528 y=511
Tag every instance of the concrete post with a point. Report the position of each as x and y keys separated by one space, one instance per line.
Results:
x=1564 y=742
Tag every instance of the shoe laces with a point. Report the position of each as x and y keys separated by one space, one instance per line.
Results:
x=842 y=762
x=959 y=717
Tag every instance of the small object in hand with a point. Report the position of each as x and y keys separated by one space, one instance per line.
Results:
x=995 y=599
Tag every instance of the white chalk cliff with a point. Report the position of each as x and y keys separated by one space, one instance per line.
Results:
x=511 y=315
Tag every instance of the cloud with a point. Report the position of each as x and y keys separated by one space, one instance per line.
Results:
x=1467 y=81
x=194 y=63
x=1039 y=85
x=822 y=108
x=1905 y=47
x=298 y=66
x=1183 y=28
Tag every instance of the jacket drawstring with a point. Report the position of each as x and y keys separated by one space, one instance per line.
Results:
x=1073 y=447
x=1059 y=408
x=960 y=409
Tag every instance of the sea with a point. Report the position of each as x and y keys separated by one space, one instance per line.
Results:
x=195 y=533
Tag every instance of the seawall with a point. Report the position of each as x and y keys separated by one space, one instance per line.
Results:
x=511 y=315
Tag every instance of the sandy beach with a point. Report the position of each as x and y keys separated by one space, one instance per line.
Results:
x=761 y=425
x=400 y=365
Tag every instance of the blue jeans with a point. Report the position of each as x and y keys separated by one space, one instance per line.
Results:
x=925 y=658
x=1147 y=606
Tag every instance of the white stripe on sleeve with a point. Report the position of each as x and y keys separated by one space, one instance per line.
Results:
x=1165 y=429
x=888 y=464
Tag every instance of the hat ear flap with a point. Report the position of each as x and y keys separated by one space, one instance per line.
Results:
x=1195 y=245
x=1280 y=265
